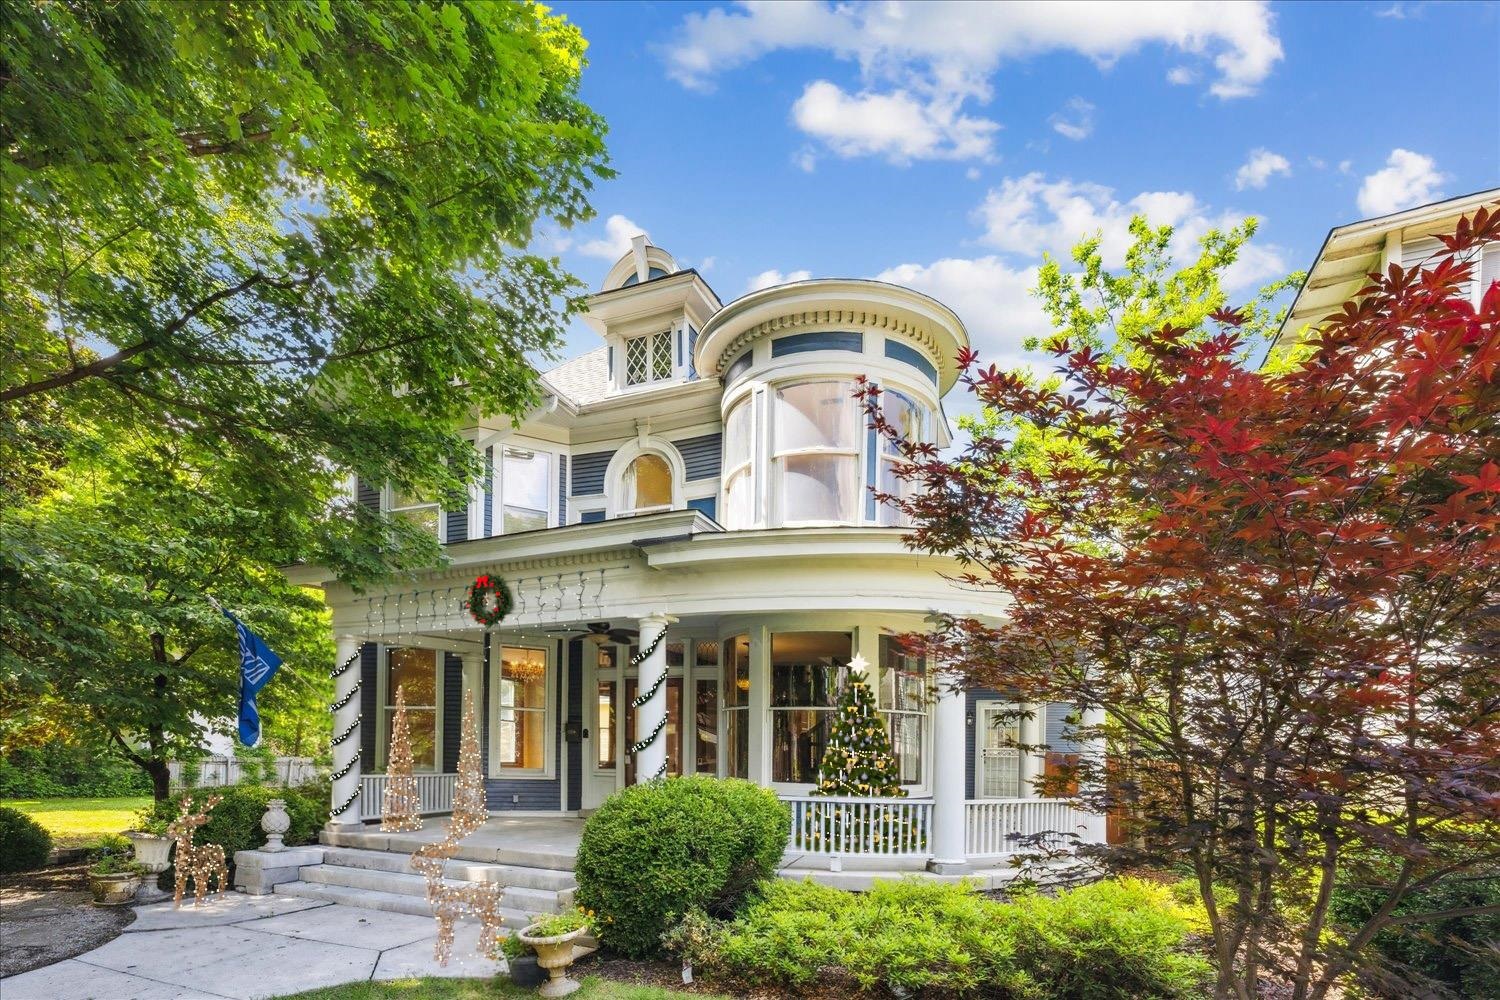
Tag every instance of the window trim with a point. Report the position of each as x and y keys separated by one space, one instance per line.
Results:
x=924 y=712
x=649 y=342
x=548 y=771
x=619 y=464
x=885 y=455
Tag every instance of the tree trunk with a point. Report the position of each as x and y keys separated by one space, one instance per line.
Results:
x=161 y=779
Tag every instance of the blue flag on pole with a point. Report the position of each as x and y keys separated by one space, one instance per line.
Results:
x=258 y=664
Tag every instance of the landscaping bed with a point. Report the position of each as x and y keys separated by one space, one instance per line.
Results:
x=49 y=916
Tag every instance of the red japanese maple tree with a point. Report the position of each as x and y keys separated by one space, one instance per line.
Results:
x=1281 y=587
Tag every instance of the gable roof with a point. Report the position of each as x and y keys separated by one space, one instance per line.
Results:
x=582 y=380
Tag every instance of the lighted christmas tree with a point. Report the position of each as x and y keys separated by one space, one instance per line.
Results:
x=469 y=809
x=401 y=805
x=859 y=762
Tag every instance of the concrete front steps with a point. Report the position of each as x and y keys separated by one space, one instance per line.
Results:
x=385 y=880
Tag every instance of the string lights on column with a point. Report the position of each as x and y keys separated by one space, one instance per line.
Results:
x=645 y=696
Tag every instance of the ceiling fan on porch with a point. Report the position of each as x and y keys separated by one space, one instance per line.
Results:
x=599 y=633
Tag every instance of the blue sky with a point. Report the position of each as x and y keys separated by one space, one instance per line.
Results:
x=946 y=147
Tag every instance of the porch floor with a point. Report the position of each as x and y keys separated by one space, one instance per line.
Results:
x=532 y=841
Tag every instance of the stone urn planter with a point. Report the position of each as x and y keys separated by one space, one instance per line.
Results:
x=114 y=890
x=152 y=853
x=555 y=954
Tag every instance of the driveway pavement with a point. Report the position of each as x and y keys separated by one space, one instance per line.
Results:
x=247 y=947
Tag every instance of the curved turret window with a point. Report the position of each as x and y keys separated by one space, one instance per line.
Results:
x=739 y=465
x=816 y=458
x=648 y=485
x=909 y=418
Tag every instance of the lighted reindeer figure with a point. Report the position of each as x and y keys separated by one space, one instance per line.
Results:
x=197 y=863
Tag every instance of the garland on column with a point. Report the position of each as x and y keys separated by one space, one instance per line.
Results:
x=336 y=741
x=639 y=700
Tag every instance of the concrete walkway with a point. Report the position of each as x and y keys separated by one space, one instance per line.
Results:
x=247 y=947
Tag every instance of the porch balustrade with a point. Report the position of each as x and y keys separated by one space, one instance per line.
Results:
x=840 y=825
x=435 y=792
x=993 y=828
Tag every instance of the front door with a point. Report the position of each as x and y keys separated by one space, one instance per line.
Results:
x=997 y=765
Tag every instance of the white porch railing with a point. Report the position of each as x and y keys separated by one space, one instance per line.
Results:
x=434 y=790
x=882 y=827
x=996 y=827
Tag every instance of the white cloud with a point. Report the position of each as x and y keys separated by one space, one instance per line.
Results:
x=1182 y=76
x=768 y=278
x=899 y=125
x=992 y=298
x=972 y=173
x=1346 y=166
x=1408 y=179
x=920 y=63
x=1260 y=168
x=615 y=242
x=1075 y=121
x=1031 y=214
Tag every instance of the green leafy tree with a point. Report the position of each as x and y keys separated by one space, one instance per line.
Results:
x=254 y=249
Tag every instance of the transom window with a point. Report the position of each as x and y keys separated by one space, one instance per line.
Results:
x=647 y=485
x=525 y=489
x=414 y=673
x=816 y=462
x=806 y=671
x=903 y=703
x=648 y=358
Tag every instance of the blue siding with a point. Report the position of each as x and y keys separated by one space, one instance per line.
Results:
x=1056 y=733
x=588 y=473
x=562 y=489
x=709 y=506
x=701 y=455
x=453 y=710
x=575 y=715
x=367 y=495
x=1059 y=733
x=489 y=491
x=738 y=367
x=369 y=708
x=971 y=721
x=458 y=524
x=797 y=343
x=872 y=446
x=522 y=794
x=897 y=351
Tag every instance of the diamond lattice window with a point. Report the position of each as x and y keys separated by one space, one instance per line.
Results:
x=661 y=355
x=635 y=361
x=648 y=358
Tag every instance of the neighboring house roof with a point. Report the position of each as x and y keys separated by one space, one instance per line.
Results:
x=583 y=380
x=1353 y=250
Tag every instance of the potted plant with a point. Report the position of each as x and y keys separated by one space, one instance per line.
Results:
x=113 y=877
x=552 y=938
x=153 y=847
x=520 y=962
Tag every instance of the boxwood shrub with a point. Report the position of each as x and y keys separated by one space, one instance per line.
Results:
x=24 y=845
x=1114 y=939
x=656 y=850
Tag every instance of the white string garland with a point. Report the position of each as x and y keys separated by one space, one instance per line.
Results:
x=639 y=700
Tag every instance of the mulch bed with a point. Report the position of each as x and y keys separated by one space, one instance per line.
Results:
x=49 y=915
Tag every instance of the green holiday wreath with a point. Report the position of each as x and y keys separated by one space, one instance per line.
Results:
x=485 y=610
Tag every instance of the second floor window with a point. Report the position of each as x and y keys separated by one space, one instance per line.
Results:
x=525 y=478
x=816 y=461
x=648 y=485
x=648 y=358
x=415 y=508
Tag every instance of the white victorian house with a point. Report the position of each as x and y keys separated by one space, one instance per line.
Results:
x=705 y=472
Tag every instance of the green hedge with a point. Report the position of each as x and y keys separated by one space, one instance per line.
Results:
x=67 y=771
x=234 y=823
x=24 y=845
x=656 y=850
x=1114 y=939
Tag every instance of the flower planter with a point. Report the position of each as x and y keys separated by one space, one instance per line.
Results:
x=114 y=890
x=524 y=971
x=152 y=853
x=555 y=954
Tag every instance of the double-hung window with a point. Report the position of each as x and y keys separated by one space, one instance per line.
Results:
x=415 y=508
x=817 y=451
x=648 y=358
x=525 y=489
x=739 y=465
x=908 y=418
x=521 y=742
x=413 y=672
x=903 y=703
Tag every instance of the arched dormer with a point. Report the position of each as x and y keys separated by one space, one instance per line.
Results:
x=642 y=262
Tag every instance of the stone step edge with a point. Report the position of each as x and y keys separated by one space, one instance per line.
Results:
x=376 y=899
x=398 y=862
x=542 y=860
x=330 y=874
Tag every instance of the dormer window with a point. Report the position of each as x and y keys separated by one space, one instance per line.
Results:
x=648 y=358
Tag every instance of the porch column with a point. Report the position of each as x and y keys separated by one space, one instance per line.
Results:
x=1094 y=750
x=1033 y=731
x=346 y=723
x=652 y=715
x=948 y=765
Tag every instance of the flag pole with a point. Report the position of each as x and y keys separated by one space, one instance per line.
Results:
x=214 y=603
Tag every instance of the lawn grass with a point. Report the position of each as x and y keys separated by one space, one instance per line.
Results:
x=432 y=988
x=80 y=822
